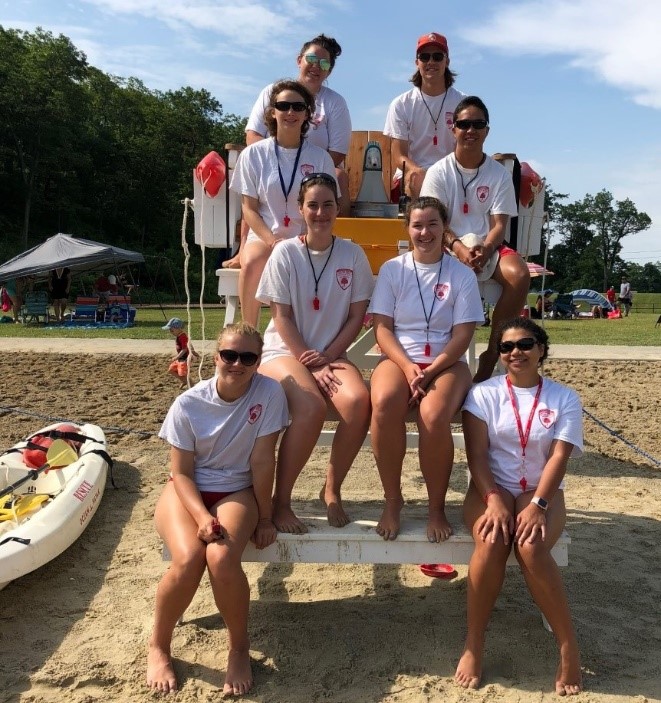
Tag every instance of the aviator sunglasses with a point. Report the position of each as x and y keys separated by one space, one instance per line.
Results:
x=229 y=356
x=287 y=105
x=524 y=344
x=467 y=124
x=324 y=64
x=426 y=56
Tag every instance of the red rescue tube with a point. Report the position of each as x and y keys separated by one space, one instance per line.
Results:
x=531 y=182
x=210 y=172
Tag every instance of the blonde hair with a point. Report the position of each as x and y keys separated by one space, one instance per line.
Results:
x=243 y=329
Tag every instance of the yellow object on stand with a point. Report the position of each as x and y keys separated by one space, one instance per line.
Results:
x=378 y=236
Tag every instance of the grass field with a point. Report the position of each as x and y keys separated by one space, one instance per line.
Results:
x=636 y=330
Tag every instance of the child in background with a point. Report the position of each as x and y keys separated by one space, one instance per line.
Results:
x=179 y=363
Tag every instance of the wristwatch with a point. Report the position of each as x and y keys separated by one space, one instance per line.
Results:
x=540 y=503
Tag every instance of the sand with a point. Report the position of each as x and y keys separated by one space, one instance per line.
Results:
x=75 y=630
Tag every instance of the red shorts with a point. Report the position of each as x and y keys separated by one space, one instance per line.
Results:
x=210 y=498
x=424 y=366
x=179 y=369
x=504 y=250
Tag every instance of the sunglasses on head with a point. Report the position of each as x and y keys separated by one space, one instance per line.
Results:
x=426 y=56
x=229 y=356
x=324 y=64
x=325 y=177
x=287 y=105
x=467 y=124
x=525 y=344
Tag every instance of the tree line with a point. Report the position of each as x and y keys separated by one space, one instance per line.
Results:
x=106 y=158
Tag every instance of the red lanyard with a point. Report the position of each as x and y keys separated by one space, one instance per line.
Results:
x=523 y=437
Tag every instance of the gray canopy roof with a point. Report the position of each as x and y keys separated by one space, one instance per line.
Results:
x=65 y=251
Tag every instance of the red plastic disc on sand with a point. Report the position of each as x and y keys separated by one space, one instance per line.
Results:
x=439 y=571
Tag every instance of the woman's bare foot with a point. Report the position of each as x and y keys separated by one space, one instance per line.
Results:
x=438 y=527
x=160 y=674
x=469 y=670
x=388 y=525
x=232 y=263
x=334 y=510
x=568 y=678
x=238 y=679
x=285 y=520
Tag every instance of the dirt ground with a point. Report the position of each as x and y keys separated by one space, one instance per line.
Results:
x=75 y=630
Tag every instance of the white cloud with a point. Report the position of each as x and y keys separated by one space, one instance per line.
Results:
x=616 y=40
x=241 y=22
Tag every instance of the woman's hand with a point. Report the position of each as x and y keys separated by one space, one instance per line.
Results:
x=211 y=530
x=496 y=520
x=417 y=381
x=530 y=524
x=265 y=533
x=327 y=381
x=312 y=358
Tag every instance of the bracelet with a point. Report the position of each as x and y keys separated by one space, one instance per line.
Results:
x=453 y=242
x=488 y=495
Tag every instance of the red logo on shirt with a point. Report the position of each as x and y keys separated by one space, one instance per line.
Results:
x=306 y=169
x=449 y=120
x=254 y=413
x=344 y=277
x=546 y=417
x=441 y=290
x=482 y=193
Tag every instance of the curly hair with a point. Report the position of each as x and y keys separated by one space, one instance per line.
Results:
x=278 y=87
x=328 y=43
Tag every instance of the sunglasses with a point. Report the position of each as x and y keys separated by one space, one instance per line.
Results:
x=287 y=105
x=229 y=356
x=325 y=177
x=525 y=344
x=324 y=64
x=426 y=56
x=467 y=124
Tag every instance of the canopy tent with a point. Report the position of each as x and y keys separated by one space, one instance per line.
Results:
x=586 y=295
x=65 y=251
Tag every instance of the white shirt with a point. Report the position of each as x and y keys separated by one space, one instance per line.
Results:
x=558 y=416
x=456 y=299
x=288 y=279
x=256 y=175
x=409 y=119
x=223 y=434
x=330 y=127
x=490 y=193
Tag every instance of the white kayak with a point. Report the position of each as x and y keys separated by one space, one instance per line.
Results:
x=44 y=516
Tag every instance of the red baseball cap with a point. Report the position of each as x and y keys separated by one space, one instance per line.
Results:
x=433 y=38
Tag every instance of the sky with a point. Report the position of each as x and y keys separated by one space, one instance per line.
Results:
x=573 y=87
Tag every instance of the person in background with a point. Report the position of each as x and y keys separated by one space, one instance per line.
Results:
x=14 y=291
x=611 y=295
x=222 y=435
x=180 y=362
x=268 y=175
x=330 y=125
x=102 y=288
x=543 y=304
x=318 y=287
x=479 y=195
x=520 y=430
x=59 y=285
x=420 y=120
x=425 y=307
x=626 y=296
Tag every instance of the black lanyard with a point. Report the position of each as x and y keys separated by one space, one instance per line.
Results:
x=315 y=301
x=422 y=300
x=438 y=117
x=465 y=187
x=287 y=191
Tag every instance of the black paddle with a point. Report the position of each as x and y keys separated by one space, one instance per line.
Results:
x=59 y=455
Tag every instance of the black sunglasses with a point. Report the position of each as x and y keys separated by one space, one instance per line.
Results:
x=467 y=124
x=229 y=356
x=287 y=105
x=425 y=56
x=325 y=177
x=525 y=344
